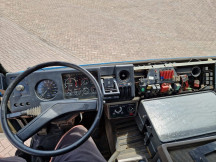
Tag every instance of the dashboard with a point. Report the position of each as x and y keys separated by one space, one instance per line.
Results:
x=129 y=90
x=123 y=85
x=117 y=83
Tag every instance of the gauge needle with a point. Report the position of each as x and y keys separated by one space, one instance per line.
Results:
x=44 y=93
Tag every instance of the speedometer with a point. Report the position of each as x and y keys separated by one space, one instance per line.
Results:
x=46 y=89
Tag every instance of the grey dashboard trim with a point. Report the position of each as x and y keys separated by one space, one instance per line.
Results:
x=32 y=80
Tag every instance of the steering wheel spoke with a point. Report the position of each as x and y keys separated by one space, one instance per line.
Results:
x=53 y=109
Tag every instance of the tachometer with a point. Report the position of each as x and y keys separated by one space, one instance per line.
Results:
x=46 y=89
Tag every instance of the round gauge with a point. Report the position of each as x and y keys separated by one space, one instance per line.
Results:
x=46 y=89
x=93 y=90
x=85 y=91
x=77 y=92
x=69 y=84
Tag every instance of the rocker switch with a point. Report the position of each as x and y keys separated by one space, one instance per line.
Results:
x=108 y=83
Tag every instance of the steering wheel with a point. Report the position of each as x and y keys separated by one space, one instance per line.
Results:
x=53 y=109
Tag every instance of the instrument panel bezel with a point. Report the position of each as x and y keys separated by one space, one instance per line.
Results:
x=20 y=99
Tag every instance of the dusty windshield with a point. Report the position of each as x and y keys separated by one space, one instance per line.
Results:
x=87 y=32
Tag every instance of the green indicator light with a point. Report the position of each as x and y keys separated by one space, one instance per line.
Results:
x=142 y=89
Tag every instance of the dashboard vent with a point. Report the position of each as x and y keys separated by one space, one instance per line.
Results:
x=125 y=92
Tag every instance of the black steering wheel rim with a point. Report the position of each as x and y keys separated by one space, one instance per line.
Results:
x=17 y=142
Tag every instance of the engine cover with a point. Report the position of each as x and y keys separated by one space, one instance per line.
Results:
x=176 y=118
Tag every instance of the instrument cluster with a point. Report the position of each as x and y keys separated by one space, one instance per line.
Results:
x=77 y=85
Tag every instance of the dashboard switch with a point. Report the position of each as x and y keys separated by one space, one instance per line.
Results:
x=149 y=87
x=196 y=83
x=158 y=87
x=167 y=74
x=118 y=110
x=177 y=86
x=154 y=88
x=165 y=87
x=184 y=79
x=109 y=82
x=20 y=87
x=142 y=89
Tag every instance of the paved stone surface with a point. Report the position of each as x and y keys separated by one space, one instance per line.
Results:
x=6 y=148
x=20 y=50
x=108 y=30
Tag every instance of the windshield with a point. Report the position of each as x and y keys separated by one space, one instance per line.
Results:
x=89 y=32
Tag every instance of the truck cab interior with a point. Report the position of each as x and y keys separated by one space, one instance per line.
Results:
x=150 y=110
